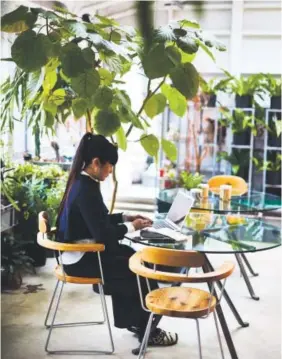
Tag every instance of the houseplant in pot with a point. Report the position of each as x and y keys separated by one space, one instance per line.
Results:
x=273 y=87
x=14 y=262
x=245 y=88
x=241 y=124
x=211 y=88
x=239 y=161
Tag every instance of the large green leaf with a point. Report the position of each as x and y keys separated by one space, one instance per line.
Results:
x=106 y=76
x=106 y=21
x=151 y=145
x=186 y=80
x=58 y=97
x=106 y=123
x=18 y=20
x=188 y=45
x=169 y=149
x=79 y=107
x=177 y=102
x=155 y=105
x=121 y=139
x=49 y=82
x=207 y=50
x=103 y=97
x=157 y=62
x=29 y=51
x=89 y=56
x=50 y=107
x=189 y=23
x=115 y=37
x=173 y=54
x=73 y=61
x=86 y=83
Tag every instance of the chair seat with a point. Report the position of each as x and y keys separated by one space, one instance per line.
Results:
x=180 y=302
x=79 y=280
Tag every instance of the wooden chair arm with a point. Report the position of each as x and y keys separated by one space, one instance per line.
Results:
x=137 y=267
x=78 y=247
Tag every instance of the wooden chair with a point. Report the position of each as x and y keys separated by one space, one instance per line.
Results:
x=181 y=302
x=238 y=184
x=62 y=278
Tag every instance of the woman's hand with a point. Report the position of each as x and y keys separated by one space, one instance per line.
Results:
x=130 y=218
x=141 y=223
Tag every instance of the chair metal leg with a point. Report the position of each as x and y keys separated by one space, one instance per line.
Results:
x=218 y=335
x=50 y=305
x=199 y=338
x=143 y=347
x=104 y=305
x=53 y=319
x=64 y=325
x=53 y=326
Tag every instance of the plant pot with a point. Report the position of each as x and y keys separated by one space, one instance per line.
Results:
x=37 y=254
x=211 y=101
x=245 y=101
x=273 y=177
x=242 y=138
x=10 y=279
x=275 y=102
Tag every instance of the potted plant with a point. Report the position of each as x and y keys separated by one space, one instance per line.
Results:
x=190 y=180
x=245 y=88
x=273 y=87
x=241 y=124
x=34 y=188
x=239 y=161
x=13 y=262
x=211 y=88
x=272 y=166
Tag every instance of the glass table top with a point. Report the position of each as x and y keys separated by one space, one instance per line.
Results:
x=252 y=202
x=214 y=233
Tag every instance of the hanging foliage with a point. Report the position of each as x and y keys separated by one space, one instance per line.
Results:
x=66 y=66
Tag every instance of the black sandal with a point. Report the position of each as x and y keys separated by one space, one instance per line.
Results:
x=161 y=338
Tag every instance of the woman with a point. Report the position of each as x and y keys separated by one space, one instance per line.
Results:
x=83 y=215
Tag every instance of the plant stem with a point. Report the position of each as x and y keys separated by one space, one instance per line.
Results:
x=88 y=121
x=149 y=95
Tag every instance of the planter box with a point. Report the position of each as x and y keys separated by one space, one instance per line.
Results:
x=245 y=101
x=8 y=217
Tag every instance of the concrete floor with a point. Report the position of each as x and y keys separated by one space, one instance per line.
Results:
x=23 y=334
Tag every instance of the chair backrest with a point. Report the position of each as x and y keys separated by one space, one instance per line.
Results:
x=237 y=183
x=175 y=258
x=45 y=231
x=172 y=257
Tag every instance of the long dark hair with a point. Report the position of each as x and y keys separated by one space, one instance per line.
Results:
x=90 y=146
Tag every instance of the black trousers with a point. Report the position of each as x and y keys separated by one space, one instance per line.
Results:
x=120 y=283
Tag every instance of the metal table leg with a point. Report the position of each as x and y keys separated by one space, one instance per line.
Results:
x=245 y=276
x=223 y=323
x=248 y=265
x=228 y=299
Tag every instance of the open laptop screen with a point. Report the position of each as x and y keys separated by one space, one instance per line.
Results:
x=180 y=207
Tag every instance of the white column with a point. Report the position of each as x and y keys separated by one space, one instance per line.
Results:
x=236 y=36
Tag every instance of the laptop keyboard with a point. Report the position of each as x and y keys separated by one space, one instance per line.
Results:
x=162 y=224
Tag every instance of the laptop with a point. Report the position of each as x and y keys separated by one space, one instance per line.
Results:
x=180 y=207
